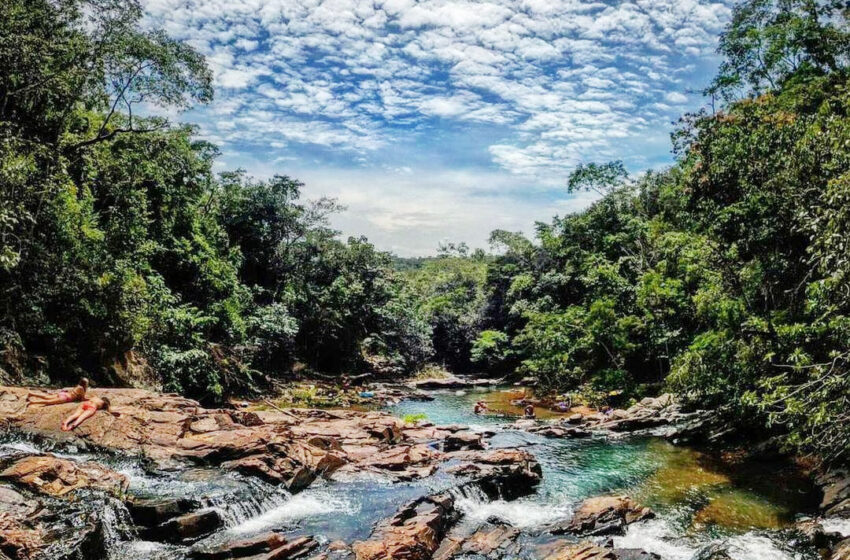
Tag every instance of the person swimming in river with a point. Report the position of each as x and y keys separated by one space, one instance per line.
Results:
x=480 y=407
x=85 y=411
x=68 y=395
x=529 y=411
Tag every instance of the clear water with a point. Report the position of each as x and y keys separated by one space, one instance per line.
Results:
x=698 y=500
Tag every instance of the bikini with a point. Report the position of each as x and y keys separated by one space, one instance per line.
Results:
x=88 y=405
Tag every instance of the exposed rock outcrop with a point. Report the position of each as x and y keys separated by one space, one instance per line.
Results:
x=414 y=533
x=500 y=473
x=590 y=551
x=48 y=474
x=604 y=515
x=290 y=447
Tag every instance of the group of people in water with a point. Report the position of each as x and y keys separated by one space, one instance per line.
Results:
x=89 y=405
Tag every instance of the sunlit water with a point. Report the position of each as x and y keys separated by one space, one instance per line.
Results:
x=699 y=500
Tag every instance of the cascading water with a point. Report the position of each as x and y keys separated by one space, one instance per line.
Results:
x=255 y=499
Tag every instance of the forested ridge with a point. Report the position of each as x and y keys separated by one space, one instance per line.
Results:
x=723 y=277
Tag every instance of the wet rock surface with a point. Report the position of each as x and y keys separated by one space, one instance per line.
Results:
x=835 y=485
x=500 y=473
x=604 y=515
x=841 y=551
x=590 y=551
x=414 y=533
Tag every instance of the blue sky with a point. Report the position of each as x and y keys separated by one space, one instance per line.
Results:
x=437 y=120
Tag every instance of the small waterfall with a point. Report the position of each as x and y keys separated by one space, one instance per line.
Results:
x=117 y=523
x=254 y=500
x=528 y=512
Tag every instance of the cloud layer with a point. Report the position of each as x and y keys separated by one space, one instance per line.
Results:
x=515 y=91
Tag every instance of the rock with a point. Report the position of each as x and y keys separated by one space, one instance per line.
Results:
x=148 y=512
x=605 y=515
x=841 y=551
x=581 y=551
x=189 y=526
x=814 y=535
x=265 y=542
x=19 y=540
x=293 y=549
x=575 y=419
x=463 y=440
x=713 y=552
x=559 y=432
x=441 y=383
x=414 y=533
x=289 y=447
x=500 y=473
x=53 y=529
x=485 y=541
x=835 y=486
x=589 y=551
x=48 y=474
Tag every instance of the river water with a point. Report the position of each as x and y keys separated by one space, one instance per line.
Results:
x=700 y=500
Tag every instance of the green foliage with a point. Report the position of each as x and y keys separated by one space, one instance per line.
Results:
x=491 y=350
x=414 y=418
x=116 y=236
x=450 y=296
x=726 y=276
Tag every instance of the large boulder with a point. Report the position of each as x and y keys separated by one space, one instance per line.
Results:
x=500 y=473
x=605 y=515
x=414 y=533
x=48 y=474
x=188 y=527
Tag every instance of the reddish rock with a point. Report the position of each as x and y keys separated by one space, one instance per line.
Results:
x=265 y=542
x=189 y=526
x=501 y=473
x=842 y=551
x=605 y=515
x=581 y=551
x=48 y=474
x=414 y=533
x=293 y=549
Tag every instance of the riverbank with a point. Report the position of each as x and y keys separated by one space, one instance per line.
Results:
x=168 y=479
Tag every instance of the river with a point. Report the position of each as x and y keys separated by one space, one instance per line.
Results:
x=701 y=501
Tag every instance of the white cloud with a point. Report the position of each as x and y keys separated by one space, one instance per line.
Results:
x=676 y=97
x=558 y=81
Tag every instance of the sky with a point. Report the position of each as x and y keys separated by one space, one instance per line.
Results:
x=442 y=120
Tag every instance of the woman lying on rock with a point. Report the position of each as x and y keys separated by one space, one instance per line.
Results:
x=76 y=394
x=85 y=411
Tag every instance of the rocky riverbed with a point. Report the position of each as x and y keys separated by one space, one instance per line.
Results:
x=168 y=479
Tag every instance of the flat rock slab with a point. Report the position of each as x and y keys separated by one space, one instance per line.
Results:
x=289 y=447
x=48 y=474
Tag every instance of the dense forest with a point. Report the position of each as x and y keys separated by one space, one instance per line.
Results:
x=723 y=278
